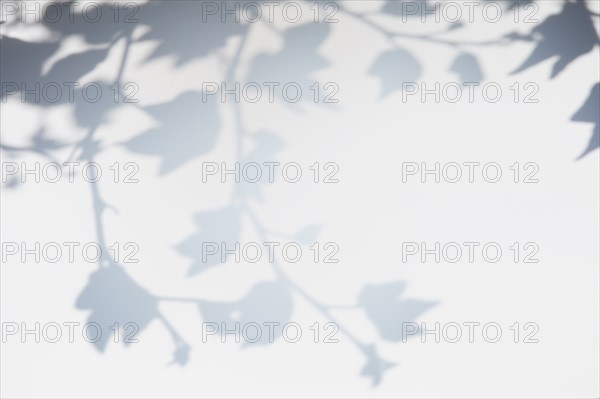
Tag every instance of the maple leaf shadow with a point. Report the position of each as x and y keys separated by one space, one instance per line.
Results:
x=113 y=297
x=296 y=62
x=216 y=228
x=188 y=128
x=187 y=29
x=266 y=145
x=565 y=36
x=589 y=112
x=388 y=310
x=258 y=317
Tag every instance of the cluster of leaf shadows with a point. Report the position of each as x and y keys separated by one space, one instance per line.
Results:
x=187 y=128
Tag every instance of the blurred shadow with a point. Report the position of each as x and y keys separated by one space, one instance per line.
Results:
x=188 y=127
x=590 y=112
x=567 y=35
